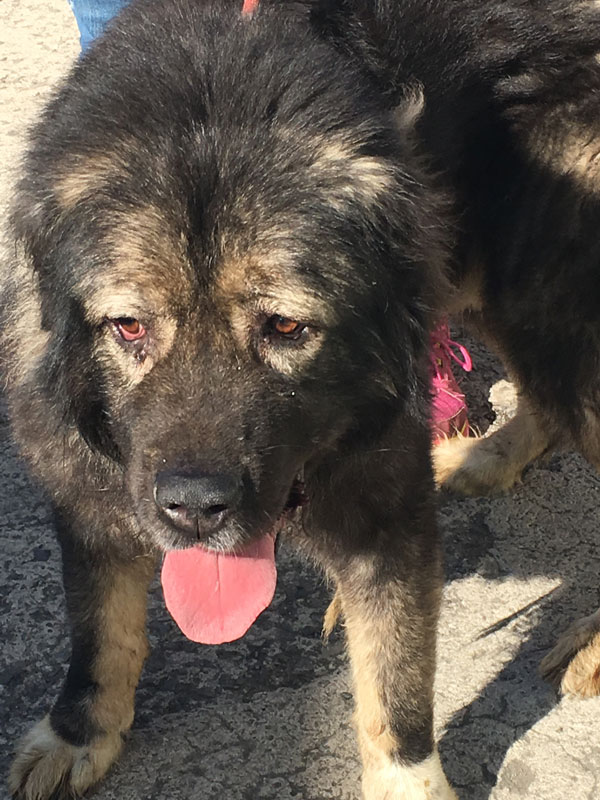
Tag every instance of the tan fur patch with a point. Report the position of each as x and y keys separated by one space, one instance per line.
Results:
x=574 y=663
x=84 y=178
x=410 y=109
x=589 y=438
x=121 y=299
x=467 y=296
x=332 y=616
x=131 y=370
x=122 y=646
x=146 y=274
x=293 y=360
x=253 y=288
x=147 y=268
x=350 y=174
x=266 y=279
x=574 y=154
x=480 y=466
x=377 y=743
x=23 y=335
x=581 y=158
x=582 y=678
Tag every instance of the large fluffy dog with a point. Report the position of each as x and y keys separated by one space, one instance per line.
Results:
x=233 y=232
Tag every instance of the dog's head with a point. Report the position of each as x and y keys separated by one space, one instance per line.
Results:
x=235 y=254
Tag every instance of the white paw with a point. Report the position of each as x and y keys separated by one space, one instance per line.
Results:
x=424 y=781
x=48 y=767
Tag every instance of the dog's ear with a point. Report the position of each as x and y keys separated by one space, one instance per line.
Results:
x=72 y=376
x=75 y=379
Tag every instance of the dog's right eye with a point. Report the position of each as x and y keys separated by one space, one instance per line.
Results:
x=130 y=329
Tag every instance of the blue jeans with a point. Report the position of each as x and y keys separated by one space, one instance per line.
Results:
x=92 y=17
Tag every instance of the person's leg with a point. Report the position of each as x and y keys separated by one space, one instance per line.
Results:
x=92 y=16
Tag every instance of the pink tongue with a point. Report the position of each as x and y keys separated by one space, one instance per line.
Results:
x=215 y=597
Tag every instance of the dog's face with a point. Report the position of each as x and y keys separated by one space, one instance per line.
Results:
x=233 y=291
x=214 y=369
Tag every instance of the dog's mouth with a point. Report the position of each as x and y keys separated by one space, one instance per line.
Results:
x=216 y=596
x=296 y=497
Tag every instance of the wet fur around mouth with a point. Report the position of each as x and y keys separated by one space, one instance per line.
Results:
x=231 y=240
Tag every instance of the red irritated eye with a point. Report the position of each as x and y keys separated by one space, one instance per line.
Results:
x=130 y=329
x=287 y=327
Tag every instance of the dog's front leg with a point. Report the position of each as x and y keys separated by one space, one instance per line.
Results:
x=390 y=626
x=380 y=542
x=74 y=745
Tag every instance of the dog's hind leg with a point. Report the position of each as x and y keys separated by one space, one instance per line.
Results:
x=490 y=464
x=74 y=746
x=574 y=663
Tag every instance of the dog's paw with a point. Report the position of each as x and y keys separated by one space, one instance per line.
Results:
x=573 y=666
x=424 y=781
x=46 y=766
x=474 y=466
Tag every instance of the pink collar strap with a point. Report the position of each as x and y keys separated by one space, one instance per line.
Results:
x=249 y=7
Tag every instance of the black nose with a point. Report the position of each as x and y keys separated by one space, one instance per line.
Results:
x=197 y=503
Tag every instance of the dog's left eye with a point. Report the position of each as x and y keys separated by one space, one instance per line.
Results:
x=284 y=328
